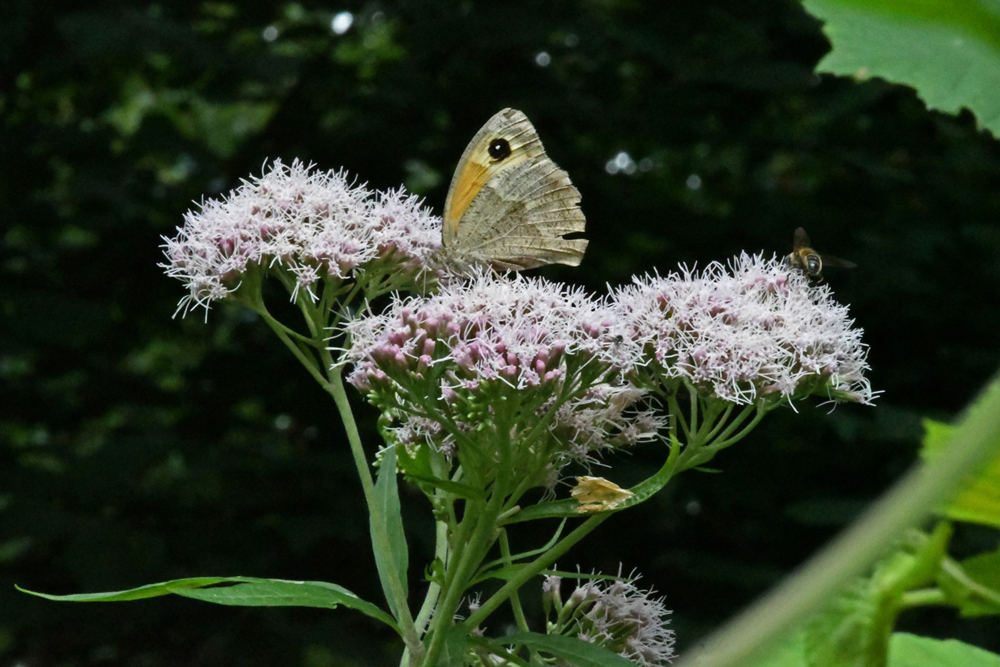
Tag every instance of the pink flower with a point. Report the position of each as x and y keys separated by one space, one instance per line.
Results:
x=744 y=332
x=524 y=344
x=313 y=224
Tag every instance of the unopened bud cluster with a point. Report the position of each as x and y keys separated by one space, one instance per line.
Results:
x=526 y=342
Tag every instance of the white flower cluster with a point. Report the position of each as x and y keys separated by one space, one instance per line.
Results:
x=747 y=331
x=310 y=222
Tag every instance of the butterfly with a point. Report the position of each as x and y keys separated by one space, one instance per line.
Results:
x=810 y=262
x=509 y=206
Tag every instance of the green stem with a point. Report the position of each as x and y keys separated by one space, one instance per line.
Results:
x=333 y=384
x=434 y=590
x=721 y=422
x=309 y=362
x=534 y=568
x=483 y=535
x=515 y=600
x=675 y=410
x=761 y=410
x=924 y=597
x=479 y=541
x=344 y=306
x=486 y=567
x=693 y=397
x=955 y=570
x=380 y=536
x=442 y=551
x=735 y=424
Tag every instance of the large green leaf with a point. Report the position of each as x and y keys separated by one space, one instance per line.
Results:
x=974 y=584
x=853 y=629
x=948 y=50
x=906 y=650
x=979 y=500
x=789 y=653
x=240 y=592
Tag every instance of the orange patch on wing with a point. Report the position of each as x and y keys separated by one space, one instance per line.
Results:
x=470 y=181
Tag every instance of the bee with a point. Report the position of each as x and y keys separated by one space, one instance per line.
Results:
x=810 y=262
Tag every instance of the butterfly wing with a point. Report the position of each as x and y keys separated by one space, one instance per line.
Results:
x=512 y=212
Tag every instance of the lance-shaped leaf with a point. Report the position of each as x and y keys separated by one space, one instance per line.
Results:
x=570 y=649
x=240 y=592
x=388 y=539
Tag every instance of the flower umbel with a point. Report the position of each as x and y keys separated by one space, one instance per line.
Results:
x=314 y=225
x=743 y=333
x=499 y=367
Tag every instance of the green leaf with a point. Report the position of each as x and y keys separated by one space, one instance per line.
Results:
x=846 y=632
x=140 y=593
x=906 y=650
x=434 y=572
x=854 y=628
x=979 y=501
x=948 y=51
x=974 y=585
x=240 y=592
x=387 y=517
x=789 y=653
x=574 y=651
x=455 y=488
x=456 y=645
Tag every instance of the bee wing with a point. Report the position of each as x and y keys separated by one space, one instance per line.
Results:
x=801 y=239
x=836 y=261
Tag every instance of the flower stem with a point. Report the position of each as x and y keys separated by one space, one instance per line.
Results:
x=534 y=568
x=924 y=597
x=332 y=383
x=760 y=410
x=469 y=556
x=954 y=570
x=515 y=601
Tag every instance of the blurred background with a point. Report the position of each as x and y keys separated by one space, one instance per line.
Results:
x=137 y=448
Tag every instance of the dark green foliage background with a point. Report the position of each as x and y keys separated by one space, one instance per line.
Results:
x=137 y=448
